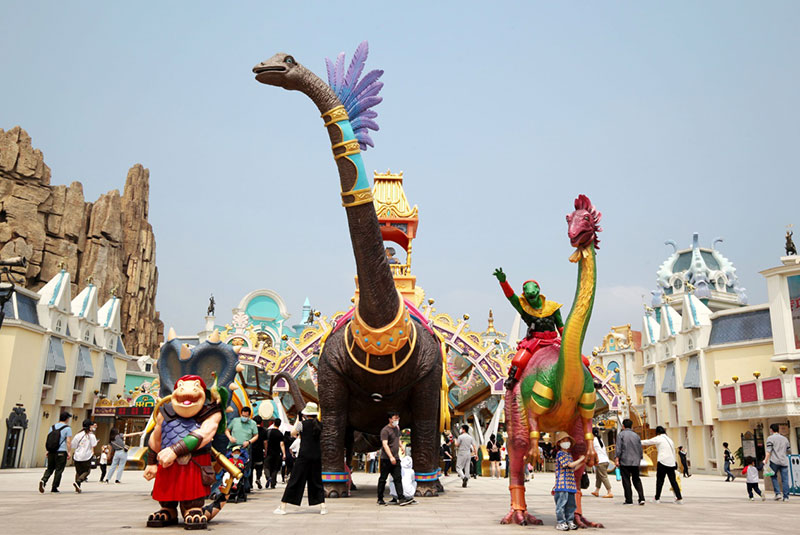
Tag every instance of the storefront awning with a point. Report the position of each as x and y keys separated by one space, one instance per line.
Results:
x=109 y=372
x=668 y=384
x=85 y=368
x=55 y=356
x=692 y=379
x=649 y=389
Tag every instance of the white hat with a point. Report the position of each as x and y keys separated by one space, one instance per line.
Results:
x=311 y=409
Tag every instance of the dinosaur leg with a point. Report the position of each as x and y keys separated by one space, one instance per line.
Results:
x=518 y=444
x=582 y=446
x=333 y=400
x=586 y=411
x=424 y=433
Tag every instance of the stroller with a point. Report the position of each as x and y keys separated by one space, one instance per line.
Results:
x=238 y=457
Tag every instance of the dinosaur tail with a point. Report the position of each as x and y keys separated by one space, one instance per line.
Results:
x=294 y=389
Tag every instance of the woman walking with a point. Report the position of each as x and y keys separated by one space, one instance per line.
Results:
x=120 y=456
x=666 y=465
x=83 y=442
x=308 y=465
x=601 y=468
x=447 y=457
x=494 y=456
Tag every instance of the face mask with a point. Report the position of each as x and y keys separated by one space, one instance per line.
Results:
x=566 y=445
x=396 y=423
x=235 y=455
x=245 y=419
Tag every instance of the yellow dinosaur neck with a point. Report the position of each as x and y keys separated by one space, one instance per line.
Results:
x=570 y=361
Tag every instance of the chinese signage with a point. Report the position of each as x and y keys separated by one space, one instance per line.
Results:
x=134 y=412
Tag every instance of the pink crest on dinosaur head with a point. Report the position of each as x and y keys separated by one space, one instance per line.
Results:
x=584 y=224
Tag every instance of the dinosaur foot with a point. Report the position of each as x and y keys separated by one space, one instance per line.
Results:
x=335 y=490
x=582 y=522
x=523 y=518
x=427 y=489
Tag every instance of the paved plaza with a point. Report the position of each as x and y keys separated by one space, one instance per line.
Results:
x=711 y=505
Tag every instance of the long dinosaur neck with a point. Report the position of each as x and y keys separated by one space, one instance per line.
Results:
x=570 y=365
x=378 y=301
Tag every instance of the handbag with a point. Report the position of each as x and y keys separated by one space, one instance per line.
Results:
x=585 y=481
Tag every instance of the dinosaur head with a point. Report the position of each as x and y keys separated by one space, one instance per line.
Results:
x=530 y=290
x=584 y=224
x=281 y=70
x=188 y=396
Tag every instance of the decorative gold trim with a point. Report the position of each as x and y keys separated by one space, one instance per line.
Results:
x=535 y=434
x=337 y=114
x=586 y=413
x=588 y=397
x=542 y=390
x=360 y=196
x=395 y=365
x=589 y=436
x=538 y=409
x=350 y=147
x=383 y=340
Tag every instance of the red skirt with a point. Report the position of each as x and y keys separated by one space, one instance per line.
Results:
x=179 y=483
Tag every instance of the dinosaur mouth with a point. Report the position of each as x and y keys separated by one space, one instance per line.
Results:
x=259 y=69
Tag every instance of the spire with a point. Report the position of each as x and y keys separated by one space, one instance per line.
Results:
x=490 y=329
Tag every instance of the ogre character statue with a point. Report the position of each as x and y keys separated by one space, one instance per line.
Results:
x=179 y=458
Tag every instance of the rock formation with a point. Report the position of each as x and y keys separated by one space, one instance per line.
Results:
x=109 y=240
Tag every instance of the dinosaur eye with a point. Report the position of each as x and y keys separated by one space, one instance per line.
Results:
x=586 y=218
x=289 y=60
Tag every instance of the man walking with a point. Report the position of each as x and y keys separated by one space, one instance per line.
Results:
x=243 y=432
x=727 y=458
x=629 y=455
x=276 y=452
x=778 y=450
x=58 y=443
x=465 y=451
x=684 y=461
x=390 y=464
x=258 y=453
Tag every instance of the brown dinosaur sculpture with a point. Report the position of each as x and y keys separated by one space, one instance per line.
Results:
x=380 y=357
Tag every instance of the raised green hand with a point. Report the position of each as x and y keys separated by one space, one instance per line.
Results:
x=501 y=277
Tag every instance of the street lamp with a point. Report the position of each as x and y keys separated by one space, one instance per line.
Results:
x=7 y=288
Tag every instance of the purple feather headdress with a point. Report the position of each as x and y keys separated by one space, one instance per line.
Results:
x=357 y=96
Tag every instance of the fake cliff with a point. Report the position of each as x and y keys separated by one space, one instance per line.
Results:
x=109 y=240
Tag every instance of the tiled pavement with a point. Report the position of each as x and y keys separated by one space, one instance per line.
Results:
x=711 y=506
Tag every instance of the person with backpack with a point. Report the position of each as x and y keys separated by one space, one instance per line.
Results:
x=84 y=442
x=57 y=445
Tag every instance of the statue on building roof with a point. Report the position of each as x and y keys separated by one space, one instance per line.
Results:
x=211 y=304
x=790 y=248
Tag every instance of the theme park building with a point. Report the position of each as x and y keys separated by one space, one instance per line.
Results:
x=58 y=353
x=711 y=368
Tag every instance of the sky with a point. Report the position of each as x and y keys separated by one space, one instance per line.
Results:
x=673 y=117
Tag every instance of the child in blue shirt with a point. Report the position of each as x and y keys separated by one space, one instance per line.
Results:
x=565 y=488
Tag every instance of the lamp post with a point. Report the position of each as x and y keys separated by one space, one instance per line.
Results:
x=7 y=288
